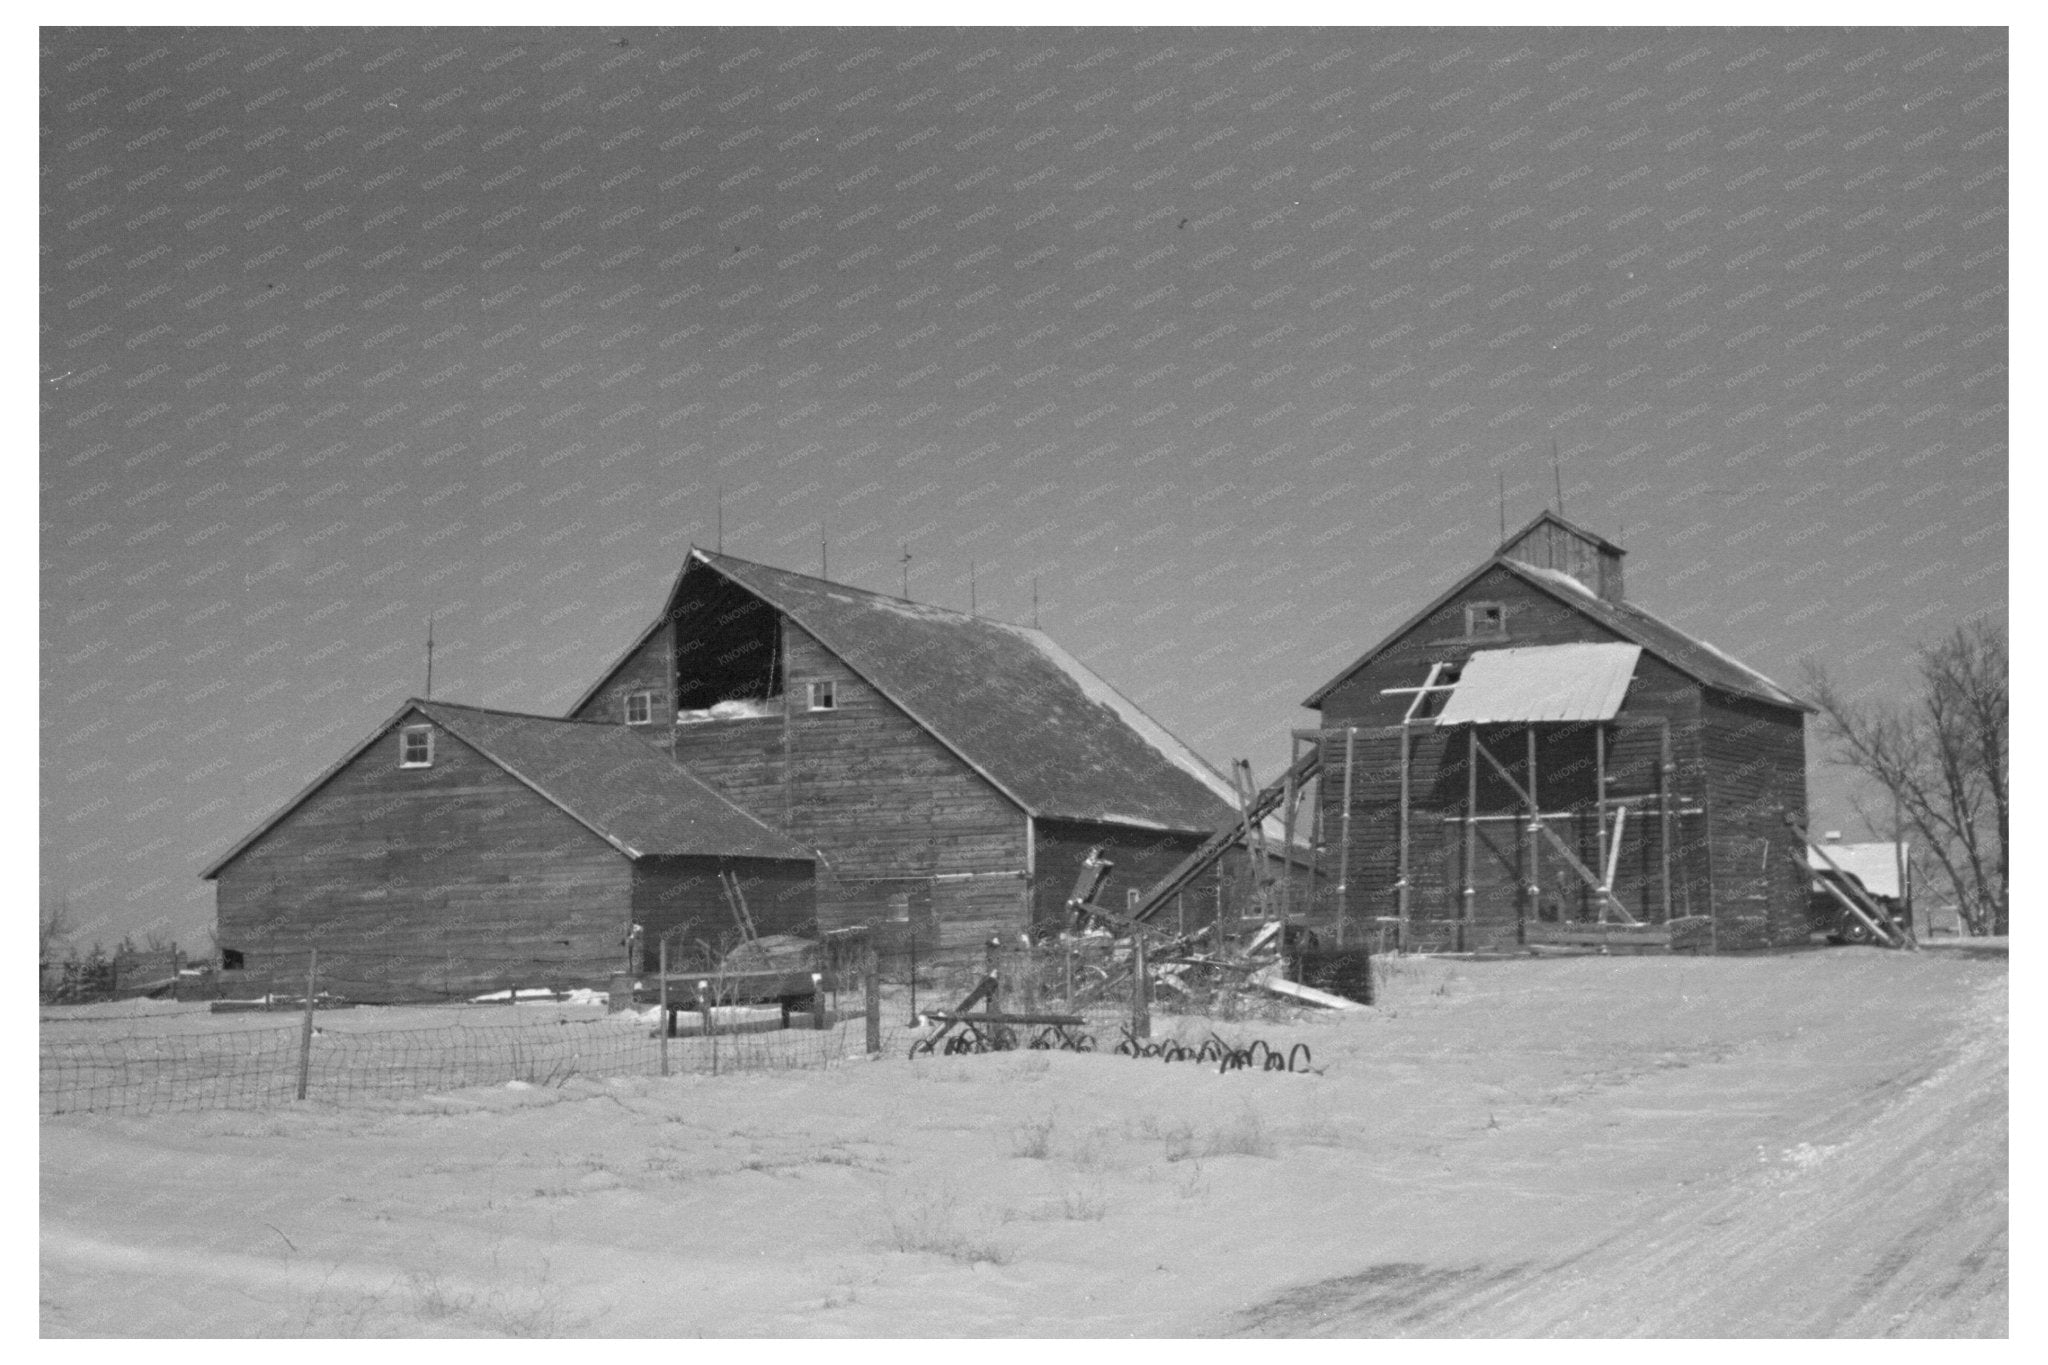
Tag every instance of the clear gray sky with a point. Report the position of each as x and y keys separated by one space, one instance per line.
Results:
x=1222 y=338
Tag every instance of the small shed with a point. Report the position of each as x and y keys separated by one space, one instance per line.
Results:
x=1531 y=754
x=459 y=850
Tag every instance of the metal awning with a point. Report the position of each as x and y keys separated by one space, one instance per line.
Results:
x=1541 y=683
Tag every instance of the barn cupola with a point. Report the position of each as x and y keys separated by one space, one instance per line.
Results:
x=1551 y=542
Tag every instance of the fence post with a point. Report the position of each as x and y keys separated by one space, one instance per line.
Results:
x=995 y=967
x=306 y=1028
x=1141 y=990
x=662 y=962
x=704 y=1004
x=874 y=1004
x=818 y=1001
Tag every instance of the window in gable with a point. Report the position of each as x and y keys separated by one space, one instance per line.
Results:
x=1485 y=620
x=416 y=746
x=823 y=695
x=641 y=707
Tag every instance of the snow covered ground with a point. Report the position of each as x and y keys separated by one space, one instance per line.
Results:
x=1805 y=1144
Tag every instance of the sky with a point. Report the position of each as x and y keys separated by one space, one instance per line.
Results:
x=1219 y=352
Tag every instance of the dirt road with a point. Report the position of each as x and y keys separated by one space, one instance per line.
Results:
x=1874 y=1205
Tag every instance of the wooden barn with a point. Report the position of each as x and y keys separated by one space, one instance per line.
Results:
x=951 y=770
x=458 y=850
x=1532 y=755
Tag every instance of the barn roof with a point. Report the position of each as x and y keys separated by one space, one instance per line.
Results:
x=1039 y=724
x=1693 y=657
x=602 y=776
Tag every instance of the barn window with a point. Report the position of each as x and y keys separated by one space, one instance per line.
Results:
x=416 y=746
x=823 y=695
x=1431 y=703
x=231 y=959
x=1483 y=619
x=640 y=708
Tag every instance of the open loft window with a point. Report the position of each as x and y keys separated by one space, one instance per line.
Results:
x=1485 y=620
x=416 y=746
x=821 y=694
x=642 y=707
x=1430 y=703
x=728 y=650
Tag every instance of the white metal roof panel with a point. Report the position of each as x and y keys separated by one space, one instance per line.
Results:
x=1541 y=683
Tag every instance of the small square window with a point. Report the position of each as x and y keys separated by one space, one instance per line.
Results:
x=823 y=695
x=640 y=708
x=416 y=746
x=1484 y=619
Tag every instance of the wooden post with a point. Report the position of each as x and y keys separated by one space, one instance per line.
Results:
x=1315 y=845
x=913 y=963
x=1535 y=843
x=1664 y=786
x=818 y=1002
x=995 y=964
x=1070 y=974
x=1141 y=990
x=874 y=1004
x=667 y=1024
x=1287 y=800
x=1344 y=827
x=1899 y=868
x=1471 y=828
x=1600 y=804
x=306 y=1028
x=704 y=1007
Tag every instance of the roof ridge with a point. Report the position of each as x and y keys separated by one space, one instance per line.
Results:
x=499 y=711
x=710 y=555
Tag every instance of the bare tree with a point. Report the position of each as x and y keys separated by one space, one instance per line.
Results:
x=56 y=925
x=1942 y=759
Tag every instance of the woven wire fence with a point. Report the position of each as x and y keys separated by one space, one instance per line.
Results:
x=254 y=1068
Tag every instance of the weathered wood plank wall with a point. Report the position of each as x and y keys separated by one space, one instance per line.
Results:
x=427 y=881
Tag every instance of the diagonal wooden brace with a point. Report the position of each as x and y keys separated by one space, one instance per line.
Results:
x=1850 y=886
x=1564 y=851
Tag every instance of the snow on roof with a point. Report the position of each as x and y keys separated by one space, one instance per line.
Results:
x=1559 y=578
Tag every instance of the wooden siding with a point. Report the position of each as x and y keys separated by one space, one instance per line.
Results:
x=1533 y=618
x=451 y=879
x=1546 y=545
x=645 y=669
x=886 y=803
x=1755 y=763
x=683 y=897
x=1141 y=857
x=1735 y=764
